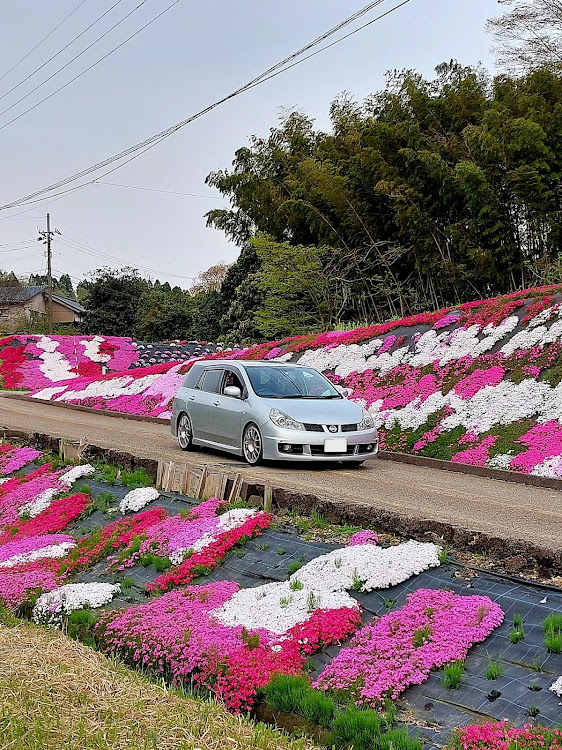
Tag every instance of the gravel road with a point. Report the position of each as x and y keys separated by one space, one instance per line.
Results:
x=482 y=505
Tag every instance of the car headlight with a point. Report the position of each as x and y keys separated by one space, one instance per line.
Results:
x=367 y=422
x=283 y=420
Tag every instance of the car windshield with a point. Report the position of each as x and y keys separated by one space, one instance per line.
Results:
x=290 y=382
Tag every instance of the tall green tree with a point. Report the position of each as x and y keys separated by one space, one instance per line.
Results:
x=429 y=193
x=163 y=314
x=112 y=300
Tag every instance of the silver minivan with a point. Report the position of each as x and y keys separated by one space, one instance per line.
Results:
x=270 y=410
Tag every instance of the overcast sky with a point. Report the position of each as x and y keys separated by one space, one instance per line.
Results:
x=191 y=56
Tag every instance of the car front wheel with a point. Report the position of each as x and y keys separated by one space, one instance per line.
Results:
x=252 y=445
x=185 y=433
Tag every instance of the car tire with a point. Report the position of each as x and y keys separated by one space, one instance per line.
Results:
x=252 y=444
x=353 y=464
x=185 y=433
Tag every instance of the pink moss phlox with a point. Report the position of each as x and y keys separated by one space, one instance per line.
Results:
x=543 y=441
x=207 y=558
x=502 y=736
x=478 y=379
x=24 y=545
x=477 y=456
x=363 y=537
x=402 y=648
x=177 y=634
x=17 y=583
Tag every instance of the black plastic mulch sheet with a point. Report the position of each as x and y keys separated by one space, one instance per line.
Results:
x=521 y=694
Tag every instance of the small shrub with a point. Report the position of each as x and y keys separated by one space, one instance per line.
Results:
x=442 y=556
x=281 y=551
x=452 y=674
x=495 y=669
x=127 y=583
x=552 y=628
x=85 y=489
x=296 y=585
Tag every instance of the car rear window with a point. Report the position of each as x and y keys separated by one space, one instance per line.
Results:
x=211 y=381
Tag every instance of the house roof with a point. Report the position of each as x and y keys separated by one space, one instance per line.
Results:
x=70 y=303
x=15 y=295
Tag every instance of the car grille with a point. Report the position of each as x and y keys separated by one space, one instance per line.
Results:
x=349 y=428
x=318 y=450
x=313 y=427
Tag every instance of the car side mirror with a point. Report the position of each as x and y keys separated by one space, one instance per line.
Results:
x=233 y=391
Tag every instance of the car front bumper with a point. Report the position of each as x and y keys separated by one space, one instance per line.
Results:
x=311 y=446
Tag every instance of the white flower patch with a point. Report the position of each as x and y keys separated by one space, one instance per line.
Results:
x=77 y=472
x=92 y=350
x=504 y=403
x=41 y=503
x=110 y=388
x=47 y=394
x=372 y=567
x=53 y=365
x=52 y=551
x=50 y=607
x=550 y=468
x=322 y=584
x=556 y=687
x=413 y=415
x=137 y=499
x=500 y=461
x=276 y=607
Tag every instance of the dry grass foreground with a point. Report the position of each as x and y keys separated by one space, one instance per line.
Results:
x=57 y=693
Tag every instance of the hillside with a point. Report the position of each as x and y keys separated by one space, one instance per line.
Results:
x=477 y=384
x=31 y=361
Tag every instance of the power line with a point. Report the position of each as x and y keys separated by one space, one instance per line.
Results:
x=108 y=244
x=99 y=18
x=42 y=40
x=93 y=65
x=156 y=190
x=101 y=256
x=148 y=143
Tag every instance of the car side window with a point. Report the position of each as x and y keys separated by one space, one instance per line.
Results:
x=211 y=381
x=190 y=380
x=232 y=378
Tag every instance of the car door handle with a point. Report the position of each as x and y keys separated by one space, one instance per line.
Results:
x=216 y=403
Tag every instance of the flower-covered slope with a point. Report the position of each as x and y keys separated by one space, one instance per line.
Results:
x=33 y=361
x=479 y=384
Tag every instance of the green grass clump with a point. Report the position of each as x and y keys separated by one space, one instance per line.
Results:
x=294 y=566
x=135 y=479
x=160 y=564
x=517 y=632
x=80 y=625
x=367 y=730
x=452 y=674
x=494 y=669
x=552 y=629
x=293 y=695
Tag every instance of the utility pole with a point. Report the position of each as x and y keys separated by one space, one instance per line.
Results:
x=46 y=238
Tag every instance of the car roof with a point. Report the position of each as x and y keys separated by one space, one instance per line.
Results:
x=245 y=363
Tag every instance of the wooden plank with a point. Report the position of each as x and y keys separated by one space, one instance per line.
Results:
x=159 y=473
x=202 y=481
x=267 y=497
x=235 y=489
x=222 y=486
x=211 y=485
